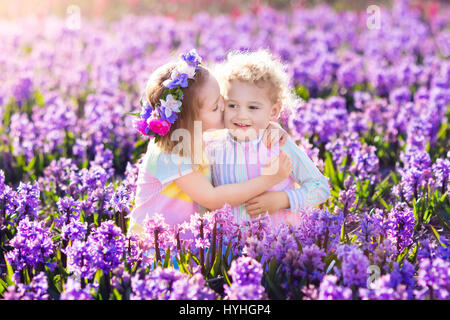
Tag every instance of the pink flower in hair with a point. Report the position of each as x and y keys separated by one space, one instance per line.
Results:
x=141 y=126
x=160 y=127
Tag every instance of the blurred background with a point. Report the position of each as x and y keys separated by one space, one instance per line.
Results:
x=184 y=9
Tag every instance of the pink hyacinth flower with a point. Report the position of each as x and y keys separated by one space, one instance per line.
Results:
x=159 y=126
x=141 y=126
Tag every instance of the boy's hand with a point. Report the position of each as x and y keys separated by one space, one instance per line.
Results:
x=267 y=202
x=272 y=137
x=278 y=167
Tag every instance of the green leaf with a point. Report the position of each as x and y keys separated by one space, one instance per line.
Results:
x=181 y=265
x=381 y=187
x=394 y=177
x=436 y=234
x=413 y=254
x=216 y=265
x=207 y=259
x=329 y=169
x=9 y=269
x=334 y=193
x=381 y=200
x=402 y=255
x=39 y=98
x=30 y=165
x=444 y=217
x=343 y=233
x=167 y=258
x=302 y=92
x=3 y=287
x=416 y=210
x=273 y=287
x=117 y=294
x=227 y=253
x=365 y=186
x=225 y=275
x=442 y=131
x=98 y=275
x=51 y=229
x=196 y=260
x=273 y=266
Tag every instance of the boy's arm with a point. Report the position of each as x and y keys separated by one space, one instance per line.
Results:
x=314 y=188
x=269 y=202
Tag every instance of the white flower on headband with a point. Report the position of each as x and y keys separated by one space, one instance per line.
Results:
x=170 y=105
x=184 y=67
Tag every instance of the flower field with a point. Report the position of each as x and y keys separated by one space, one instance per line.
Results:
x=375 y=121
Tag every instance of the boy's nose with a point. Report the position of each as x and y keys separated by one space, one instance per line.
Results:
x=242 y=114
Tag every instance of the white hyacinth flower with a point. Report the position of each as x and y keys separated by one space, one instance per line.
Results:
x=170 y=105
x=183 y=67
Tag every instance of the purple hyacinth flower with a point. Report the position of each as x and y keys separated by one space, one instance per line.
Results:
x=400 y=226
x=177 y=79
x=441 y=172
x=354 y=265
x=192 y=58
x=32 y=245
x=433 y=279
x=28 y=198
x=36 y=290
x=74 y=230
x=247 y=274
x=146 y=111
x=246 y=270
x=68 y=209
x=73 y=291
x=108 y=245
x=172 y=118
x=330 y=290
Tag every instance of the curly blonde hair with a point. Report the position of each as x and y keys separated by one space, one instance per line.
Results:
x=258 y=67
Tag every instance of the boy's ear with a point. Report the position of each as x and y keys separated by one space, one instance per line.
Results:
x=275 y=111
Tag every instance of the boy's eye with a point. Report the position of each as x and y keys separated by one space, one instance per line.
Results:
x=232 y=105
x=253 y=107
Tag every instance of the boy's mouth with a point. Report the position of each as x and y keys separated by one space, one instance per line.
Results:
x=241 y=125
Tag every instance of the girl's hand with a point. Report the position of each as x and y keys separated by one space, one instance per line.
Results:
x=267 y=202
x=272 y=137
x=278 y=167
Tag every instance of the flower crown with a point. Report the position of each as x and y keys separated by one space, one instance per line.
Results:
x=155 y=121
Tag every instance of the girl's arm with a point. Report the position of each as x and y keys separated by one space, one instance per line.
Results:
x=200 y=189
x=313 y=190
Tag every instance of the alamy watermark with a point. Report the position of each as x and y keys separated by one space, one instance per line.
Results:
x=373 y=21
x=374 y=274
x=204 y=148
x=73 y=17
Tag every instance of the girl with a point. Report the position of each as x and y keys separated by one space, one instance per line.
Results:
x=170 y=182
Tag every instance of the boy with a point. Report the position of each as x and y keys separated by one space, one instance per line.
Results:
x=255 y=87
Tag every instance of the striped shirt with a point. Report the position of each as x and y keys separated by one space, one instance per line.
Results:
x=234 y=162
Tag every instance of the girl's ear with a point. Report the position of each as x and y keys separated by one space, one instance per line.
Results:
x=275 y=111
